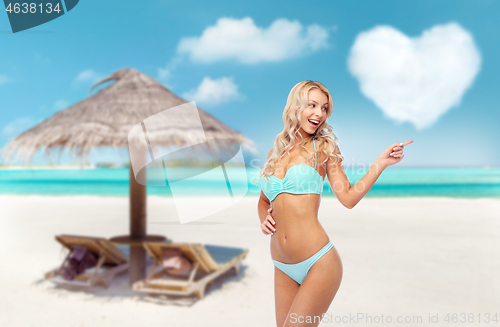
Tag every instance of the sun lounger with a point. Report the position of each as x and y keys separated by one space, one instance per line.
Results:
x=209 y=262
x=111 y=260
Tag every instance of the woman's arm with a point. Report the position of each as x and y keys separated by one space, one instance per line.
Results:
x=264 y=203
x=263 y=206
x=349 y=195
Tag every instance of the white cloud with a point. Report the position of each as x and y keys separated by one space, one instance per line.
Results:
x=415 y=79
x=166 y=73
x=61 y=104
x=88 y=76
x=4 y=79
x=39 y=58
x=213 y=92
x=58 y=105
x=243 y=41
x=163 y=73
x=17 y=126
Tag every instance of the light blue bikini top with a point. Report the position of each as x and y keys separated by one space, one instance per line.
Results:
x=299 y=179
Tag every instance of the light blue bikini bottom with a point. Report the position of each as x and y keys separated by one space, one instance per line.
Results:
x=298 y=271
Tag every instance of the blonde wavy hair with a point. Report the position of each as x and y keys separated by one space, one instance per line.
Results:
x=296 y=102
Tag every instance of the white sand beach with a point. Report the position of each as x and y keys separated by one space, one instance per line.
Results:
x=401 y=257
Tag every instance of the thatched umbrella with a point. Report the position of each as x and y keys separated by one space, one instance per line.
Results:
x=105 y=119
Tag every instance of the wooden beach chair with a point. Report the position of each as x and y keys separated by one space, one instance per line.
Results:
x=111 y=260
x=209 y=262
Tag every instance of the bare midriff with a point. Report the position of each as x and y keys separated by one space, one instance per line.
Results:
x=298 y=235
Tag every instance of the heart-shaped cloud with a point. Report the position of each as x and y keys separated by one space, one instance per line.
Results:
x=415 y=79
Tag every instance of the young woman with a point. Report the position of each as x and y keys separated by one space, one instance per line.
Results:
x=308 y=269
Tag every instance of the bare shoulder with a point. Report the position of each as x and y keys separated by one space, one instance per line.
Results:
x=269 y=153
x=268 y=156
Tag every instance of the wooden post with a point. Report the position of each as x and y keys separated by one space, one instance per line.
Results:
x=137 y=228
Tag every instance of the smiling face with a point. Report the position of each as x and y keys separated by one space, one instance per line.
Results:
x=315 y=112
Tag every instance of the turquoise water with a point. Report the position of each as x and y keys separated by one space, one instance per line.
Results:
x=397 y=182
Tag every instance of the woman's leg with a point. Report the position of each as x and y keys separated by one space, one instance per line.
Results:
x=316 y=292
x=285 y=290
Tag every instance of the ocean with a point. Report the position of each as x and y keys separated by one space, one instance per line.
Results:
x=394 y=182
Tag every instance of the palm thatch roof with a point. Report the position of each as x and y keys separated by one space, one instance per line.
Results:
x=106 y=118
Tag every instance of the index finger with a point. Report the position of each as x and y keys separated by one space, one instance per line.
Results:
x=271 y=219
x=406 y=143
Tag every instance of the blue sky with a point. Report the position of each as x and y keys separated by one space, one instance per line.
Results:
x=426 y=71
